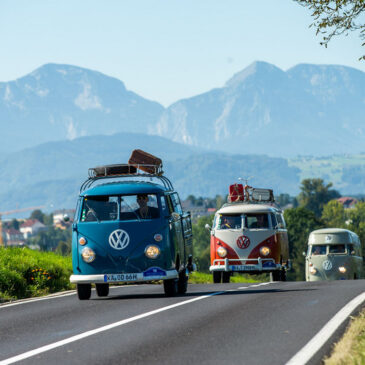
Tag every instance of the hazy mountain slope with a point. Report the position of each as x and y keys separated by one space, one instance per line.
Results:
x=307 y=110
x=57 y=102
x=50 y=174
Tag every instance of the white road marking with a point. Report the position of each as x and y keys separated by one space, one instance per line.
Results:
x=309 y=350
x=51 y=296
x=80 y=336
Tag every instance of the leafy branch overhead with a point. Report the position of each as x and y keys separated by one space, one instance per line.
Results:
x=337 y=17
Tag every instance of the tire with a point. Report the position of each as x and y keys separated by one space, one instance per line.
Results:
x=102 y=290
x=217 y=277
x=170 y=287
x=283 y=275
x=182 y=284
x=275 y=275
x=84 y=291
x=226 y=277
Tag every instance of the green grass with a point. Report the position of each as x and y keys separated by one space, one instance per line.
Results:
x=204 y=278
x=26 y=273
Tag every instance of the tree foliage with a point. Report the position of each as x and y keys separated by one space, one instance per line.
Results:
x=336 y=17
x=315 y=194
x=334 y=215
x=300 y=222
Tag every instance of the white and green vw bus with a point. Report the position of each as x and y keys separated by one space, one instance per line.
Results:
x=333 y=254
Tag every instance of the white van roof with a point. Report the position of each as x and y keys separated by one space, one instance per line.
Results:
x=237 y=208
x=333 y=236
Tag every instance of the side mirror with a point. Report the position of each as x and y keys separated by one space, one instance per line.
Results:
x=304 y=254
x=208 y=227
x=66 y=218
x=175 y=216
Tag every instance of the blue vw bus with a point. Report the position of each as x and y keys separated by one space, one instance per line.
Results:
x=129 y=227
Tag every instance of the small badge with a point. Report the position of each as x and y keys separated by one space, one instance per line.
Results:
x=119 y=239
x=243 y=242
x=328 y=239
x=327 y=265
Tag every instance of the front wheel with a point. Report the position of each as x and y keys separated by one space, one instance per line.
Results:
x=226 y=277
x=102 y=290
x=170 y=287
x=84 y=291
x=182 y=285
x=217 y=277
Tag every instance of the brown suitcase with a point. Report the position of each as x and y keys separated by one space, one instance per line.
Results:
x=146 y=162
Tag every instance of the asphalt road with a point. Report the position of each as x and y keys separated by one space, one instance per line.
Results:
x=211 y=324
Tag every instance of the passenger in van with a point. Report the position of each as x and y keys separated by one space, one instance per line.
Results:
x=260 y=221
x=319 y=250
x=231 y=222
x=145 y=211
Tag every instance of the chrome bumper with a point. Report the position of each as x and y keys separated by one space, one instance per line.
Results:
x=262 y=265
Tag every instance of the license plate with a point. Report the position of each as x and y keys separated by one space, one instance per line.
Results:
x=120 y=277
x=244 y=267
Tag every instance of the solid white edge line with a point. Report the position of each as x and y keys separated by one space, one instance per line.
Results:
x=311 y=348
x=51 y=296
x=80 y=336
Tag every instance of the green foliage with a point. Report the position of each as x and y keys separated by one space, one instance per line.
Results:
x=356 y=220
x=201 y=241
x=50 y=239
x=336 y=17
x=26 y=273
x=300 y=222
x=315 y=194
x=333 y=215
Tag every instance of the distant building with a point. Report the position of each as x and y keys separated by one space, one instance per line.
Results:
x=58 y=217
x=13 y=237
x=347 y=202
x=30 y=227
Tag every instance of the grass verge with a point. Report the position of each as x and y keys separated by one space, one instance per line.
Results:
x=351 y=348
x=26 y=273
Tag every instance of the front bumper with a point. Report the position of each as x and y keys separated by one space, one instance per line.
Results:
x=148 y=275
x=263 y=265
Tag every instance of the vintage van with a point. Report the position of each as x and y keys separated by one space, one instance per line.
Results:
x=129 y=227
x=333 y=254
x=249 y=236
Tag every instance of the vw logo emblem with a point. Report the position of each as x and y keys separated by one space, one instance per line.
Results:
x=119 y=239
x=243 y=242
x=327 y=265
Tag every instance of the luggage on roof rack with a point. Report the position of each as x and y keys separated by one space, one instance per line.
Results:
x=146 y=162
x=112 y=170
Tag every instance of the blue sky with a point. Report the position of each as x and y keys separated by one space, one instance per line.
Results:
x=164 y=50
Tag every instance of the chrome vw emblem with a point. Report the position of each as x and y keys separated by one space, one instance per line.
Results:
x=327 y=265
x=119 y=239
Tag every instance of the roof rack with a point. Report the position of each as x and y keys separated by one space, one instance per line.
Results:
x=129 y=171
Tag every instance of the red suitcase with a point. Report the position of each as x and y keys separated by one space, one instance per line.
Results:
x=146 y=162
x=236 y=193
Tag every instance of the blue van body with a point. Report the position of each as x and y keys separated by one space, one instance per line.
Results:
x=118 y=246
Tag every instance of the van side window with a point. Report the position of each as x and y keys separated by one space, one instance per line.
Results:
x=273 y=221
x=176 y=203
x=280 y=220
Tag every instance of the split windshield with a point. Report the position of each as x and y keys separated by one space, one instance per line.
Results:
x=124 y=207
x=248 y=221
x=332 y=249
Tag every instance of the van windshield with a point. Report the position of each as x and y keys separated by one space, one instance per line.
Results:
x=124 y=207
x=319 y=250
x=258 y=220
x=337 y=249
x=230 y=221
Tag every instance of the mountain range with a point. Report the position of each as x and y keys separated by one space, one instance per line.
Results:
x=307 y=110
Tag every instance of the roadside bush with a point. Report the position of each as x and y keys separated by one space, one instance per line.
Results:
x=25 y=273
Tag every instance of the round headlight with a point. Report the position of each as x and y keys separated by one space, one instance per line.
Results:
x=222 y=252
x=152 y=251
x=82 y=241
x=313 y=270
x=88 y=255
x=342 y=269
x=264 y=251
x=158 y=237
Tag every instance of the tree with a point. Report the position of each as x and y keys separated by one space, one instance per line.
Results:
x=201 y=237
x=336 y=17
x=356 y=222
x=315 y=194
x=37 y=214
x=333 y=215
x=300 y=222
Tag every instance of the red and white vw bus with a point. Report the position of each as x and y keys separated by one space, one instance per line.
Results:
x=249 y=236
